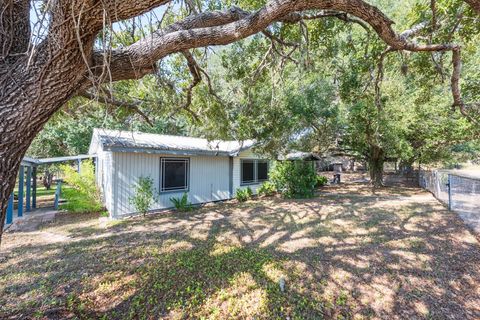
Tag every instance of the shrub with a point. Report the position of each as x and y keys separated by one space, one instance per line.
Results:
x=249 y=192
x=182 y=204
x=321 y=181
x=267 y=189
x=294 y=179
x=243 y=195
x=143 y=198
x=77 y=202
x=85 y=197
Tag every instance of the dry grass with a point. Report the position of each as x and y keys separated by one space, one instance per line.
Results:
x=348 y=253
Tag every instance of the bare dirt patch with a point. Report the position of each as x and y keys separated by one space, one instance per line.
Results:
x=395 y=253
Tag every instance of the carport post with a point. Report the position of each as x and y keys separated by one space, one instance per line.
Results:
x=28 y=190
x=57 y=194
x=21 y=181
x=10 y=210
x=79 y=163
x=34 y=188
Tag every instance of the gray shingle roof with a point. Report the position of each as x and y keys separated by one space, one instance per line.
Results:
x=129 y=141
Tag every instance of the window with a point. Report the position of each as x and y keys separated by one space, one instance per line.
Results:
x=253 y=171
x=248 y=171
x=262 y=170
x=174 y=174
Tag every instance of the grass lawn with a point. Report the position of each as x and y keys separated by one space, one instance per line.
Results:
x=42 y=191
x=348 y=253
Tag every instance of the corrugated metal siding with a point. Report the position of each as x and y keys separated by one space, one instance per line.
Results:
x=247 y=154
x=104 y=178
x=209 y=180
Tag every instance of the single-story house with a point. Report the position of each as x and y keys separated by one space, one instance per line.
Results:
x=206 y=170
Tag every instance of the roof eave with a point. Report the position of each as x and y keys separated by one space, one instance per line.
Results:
x=166 y=151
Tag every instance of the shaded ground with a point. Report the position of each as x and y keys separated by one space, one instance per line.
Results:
x=348 y=253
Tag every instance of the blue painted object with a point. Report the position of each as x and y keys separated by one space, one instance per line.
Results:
x=34 y=187
x=79 y=165
x=10 y=210
x=21 y=180
x=57 y=194
x=28 y=186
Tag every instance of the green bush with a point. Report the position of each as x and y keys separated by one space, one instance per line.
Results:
x=243 y=195
x=182 y=204
x=84 y=195
x=77 y=202
x=267 y=189
x=321 y=181
x=294 y=179
x=143 y=198
x=249 y=192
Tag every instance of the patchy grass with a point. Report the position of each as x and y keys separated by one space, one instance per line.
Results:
x=42 y=191
x=349 y=253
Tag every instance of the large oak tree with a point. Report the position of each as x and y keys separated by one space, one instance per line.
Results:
x=38 y=77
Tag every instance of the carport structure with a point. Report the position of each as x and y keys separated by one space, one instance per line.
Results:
x=27 y=184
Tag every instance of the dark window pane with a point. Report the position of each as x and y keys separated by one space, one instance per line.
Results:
x=175 y=174
x=262 y=170
x=248 y=171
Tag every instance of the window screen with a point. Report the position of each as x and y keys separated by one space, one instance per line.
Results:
x=174 y=174
x=262 y=170
x=248 y=171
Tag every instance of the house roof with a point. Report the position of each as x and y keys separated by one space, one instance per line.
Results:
x=30 y=162
x=299 y=155
x=129 y=141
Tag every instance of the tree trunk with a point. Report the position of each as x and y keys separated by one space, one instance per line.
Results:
x=47 y=179
x=375 y=166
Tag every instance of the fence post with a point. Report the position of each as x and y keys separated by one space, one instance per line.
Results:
x=449 y=185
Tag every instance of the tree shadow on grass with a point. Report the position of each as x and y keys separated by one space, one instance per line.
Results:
x=338 y=258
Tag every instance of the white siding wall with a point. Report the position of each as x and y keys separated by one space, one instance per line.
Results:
x=209 y=180
x=104 y=177
x=247 y=154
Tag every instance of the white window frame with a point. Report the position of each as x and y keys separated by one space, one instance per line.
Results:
x=164 y=160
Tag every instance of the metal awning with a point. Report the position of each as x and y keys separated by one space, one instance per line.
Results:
x=29 y=162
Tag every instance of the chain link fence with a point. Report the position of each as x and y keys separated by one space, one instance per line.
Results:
x=459 y=192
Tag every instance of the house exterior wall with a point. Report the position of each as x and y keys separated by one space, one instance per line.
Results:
x=236 y=178
x=208 y=180
x=104 y=177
